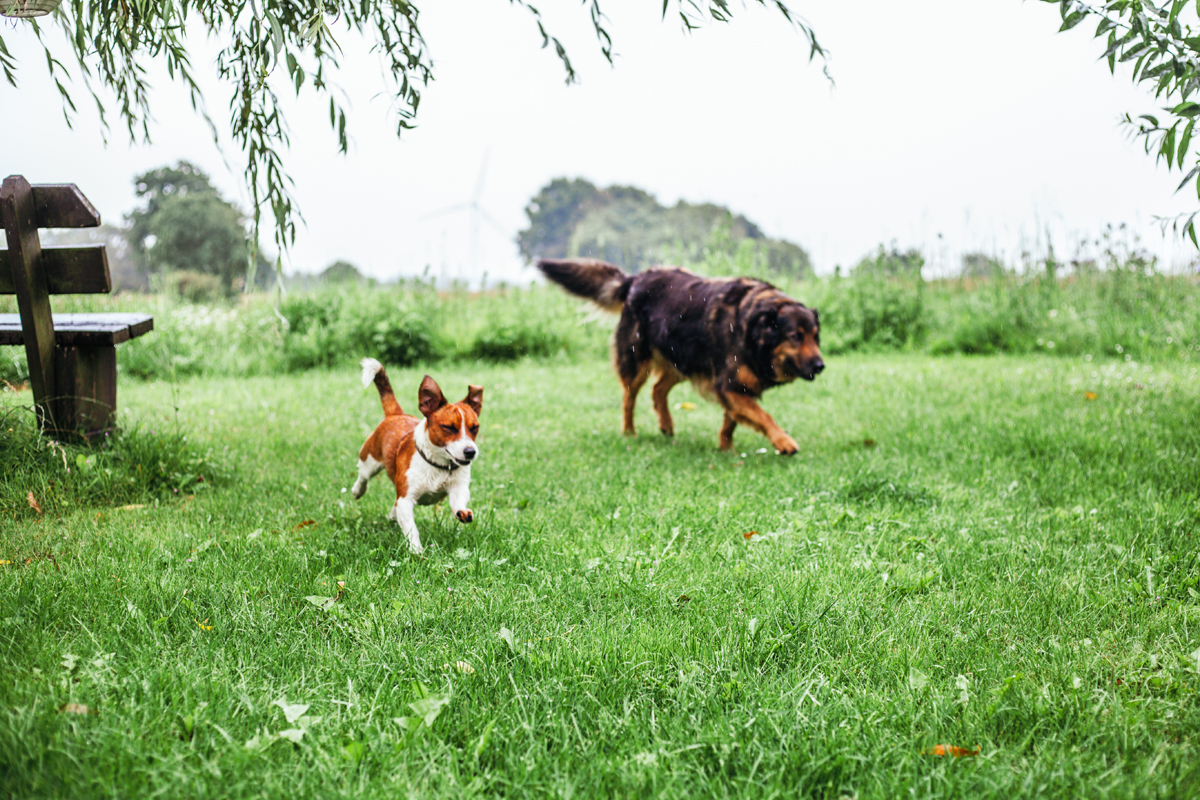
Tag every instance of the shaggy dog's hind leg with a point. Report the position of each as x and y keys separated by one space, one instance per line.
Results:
x=727 y=427
x=633 y=366
x=666 y=382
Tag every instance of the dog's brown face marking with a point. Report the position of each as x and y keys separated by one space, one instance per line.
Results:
x=452 y=427
x=798 y=353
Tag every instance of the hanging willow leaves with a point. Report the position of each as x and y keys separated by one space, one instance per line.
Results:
x=114 y=41
x=1159 y=40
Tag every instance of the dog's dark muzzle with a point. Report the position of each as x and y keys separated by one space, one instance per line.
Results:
x=809 y=369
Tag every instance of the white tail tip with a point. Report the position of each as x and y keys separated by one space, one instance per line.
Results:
x=370 y=369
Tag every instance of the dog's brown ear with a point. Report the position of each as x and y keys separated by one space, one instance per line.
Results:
x=429 y=396
x=474 y=399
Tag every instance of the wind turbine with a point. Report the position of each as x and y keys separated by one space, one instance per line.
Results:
x=478 y=212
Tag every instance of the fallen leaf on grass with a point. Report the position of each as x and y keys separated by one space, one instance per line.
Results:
x=951 y=750
x=33 y=503
x=1089 y=395
x=750 y=534
x=305 y=524
x=323 y=603
x=459 y=666
x=869 y=443
x=131 y=507
x=291 y=711
x=687 y=406
x=429 y=708
x=76 y=708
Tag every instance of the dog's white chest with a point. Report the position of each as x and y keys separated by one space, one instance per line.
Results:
x=428 y=485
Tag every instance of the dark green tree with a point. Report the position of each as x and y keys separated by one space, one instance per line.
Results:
x=186 y=226
x=629 y=227
x=158 y=186
x=553 y=213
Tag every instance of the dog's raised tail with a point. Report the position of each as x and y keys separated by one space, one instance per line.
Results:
x=373 y=372
x=602 y=283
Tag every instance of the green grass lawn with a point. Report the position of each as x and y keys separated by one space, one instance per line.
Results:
x=966 y=551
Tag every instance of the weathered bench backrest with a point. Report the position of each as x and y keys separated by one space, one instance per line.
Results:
x=80 y=269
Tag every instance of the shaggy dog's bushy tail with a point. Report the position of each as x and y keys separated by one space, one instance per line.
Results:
x=602 y=283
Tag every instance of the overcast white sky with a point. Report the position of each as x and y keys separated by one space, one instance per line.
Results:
x=954 y=125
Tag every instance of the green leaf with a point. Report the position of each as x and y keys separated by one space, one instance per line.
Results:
x=409 y=724
x=1184 y=142
x=1072 y=19
x=428 y=708
x=1167 y=146
x=1186 y=109
x=1189 y=176
x=276 y=34
x=291 y=712
x=323 y=603
x=355 y=751
x=260 y=741
x=482 y=744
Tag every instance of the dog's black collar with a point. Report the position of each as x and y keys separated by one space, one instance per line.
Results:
x=453 y=465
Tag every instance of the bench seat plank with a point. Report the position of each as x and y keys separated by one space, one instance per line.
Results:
x=82 y=330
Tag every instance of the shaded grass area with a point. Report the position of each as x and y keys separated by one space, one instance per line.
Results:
x=965 y=551
x=129 y=465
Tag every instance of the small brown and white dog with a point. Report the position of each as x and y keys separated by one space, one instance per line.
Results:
x=428 y=459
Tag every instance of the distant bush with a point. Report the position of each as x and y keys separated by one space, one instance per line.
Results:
x=869 y=312
x=194 y=287
x=509 y=342
x=1122 y=306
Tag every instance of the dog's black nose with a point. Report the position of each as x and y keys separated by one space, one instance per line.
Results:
x=817 y=366
x=469 y=453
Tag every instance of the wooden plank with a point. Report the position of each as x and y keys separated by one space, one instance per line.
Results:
x=29 y=283
x=63 y=206
x=69 y=269
x=82 y=330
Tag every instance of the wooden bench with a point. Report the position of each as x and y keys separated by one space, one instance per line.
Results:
x=72 y=357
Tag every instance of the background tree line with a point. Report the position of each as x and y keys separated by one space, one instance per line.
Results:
x=627 y=226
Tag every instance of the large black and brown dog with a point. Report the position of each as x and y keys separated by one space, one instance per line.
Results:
x=733 y=338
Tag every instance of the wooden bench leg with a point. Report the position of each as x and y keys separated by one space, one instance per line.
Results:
x=86 y=382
